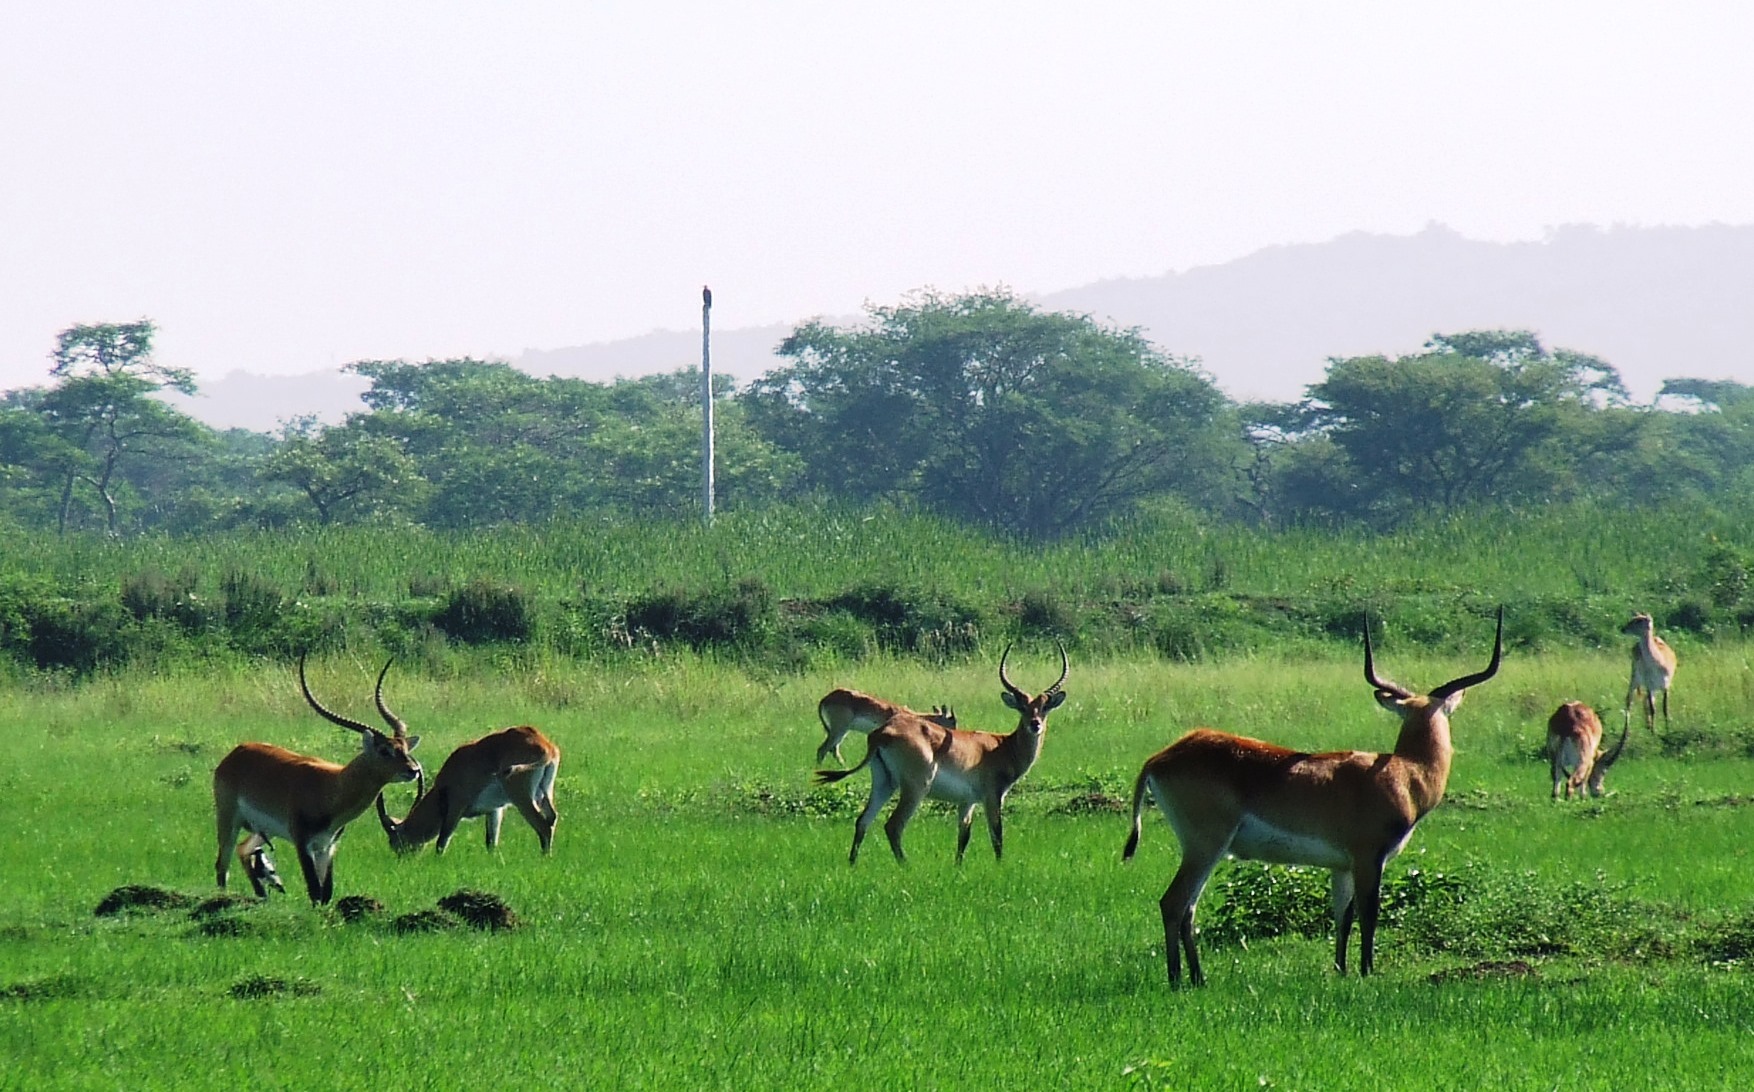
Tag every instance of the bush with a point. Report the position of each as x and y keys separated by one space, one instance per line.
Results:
x=484 y=612
x=742 y=616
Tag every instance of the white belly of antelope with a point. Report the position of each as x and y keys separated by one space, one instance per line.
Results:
x=492 y=797
x=949 y=784
x=1257 y=840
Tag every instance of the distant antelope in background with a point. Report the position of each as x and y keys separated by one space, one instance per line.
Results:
x=1574 y=755
x=842 y=711
x=923 y=759
x=1653 y=669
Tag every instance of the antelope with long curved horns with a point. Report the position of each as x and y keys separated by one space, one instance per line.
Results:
x=272 y=792
x=925 y=760
x=1347 y=811
x=513 y=767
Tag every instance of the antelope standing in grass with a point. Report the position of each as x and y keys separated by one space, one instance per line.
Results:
x=1347 y=811
x=513 y=767
x=1653 y=669
x=842 y=711
x=1574 y=754
x=272 y=792
x=922 y=759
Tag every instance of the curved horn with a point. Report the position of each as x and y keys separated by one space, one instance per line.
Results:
x=384 y=817
x=1064 y=667
x=1006 y=682
x=394 y=721
x=1478 y=677
x=333 y=718
x=1609 y=759
x=1370 y=676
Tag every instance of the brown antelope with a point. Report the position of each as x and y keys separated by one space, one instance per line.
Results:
x=275 y=793
x=923 y=759
x=1347 y=811
x=1574 y=755
x=513 y=767
x=1653 y=669
x=842 y=711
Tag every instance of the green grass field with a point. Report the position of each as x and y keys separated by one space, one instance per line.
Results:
x=698 y=926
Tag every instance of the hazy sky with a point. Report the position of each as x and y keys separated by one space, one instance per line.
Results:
x=288 y=187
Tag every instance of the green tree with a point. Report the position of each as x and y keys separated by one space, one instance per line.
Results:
x=347 y=473
x=987 y=409
x=102 y=410
x=1489 y=415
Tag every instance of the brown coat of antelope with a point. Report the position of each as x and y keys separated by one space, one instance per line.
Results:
x=923 y=759
x=842 y=711
x=1346 y=811
x=513 y=767
x=276 y=793
x=1653 y=669
x=1574 y=750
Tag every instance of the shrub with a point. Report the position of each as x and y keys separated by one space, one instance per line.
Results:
x=485 y=611
x=741 y=616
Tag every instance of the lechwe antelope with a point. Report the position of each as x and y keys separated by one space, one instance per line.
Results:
x=1348 y=811
x=1574 y=755
x=842 y=711
x=513 y=767
x=1653 y=669
x=922 y=759
x=276 y=793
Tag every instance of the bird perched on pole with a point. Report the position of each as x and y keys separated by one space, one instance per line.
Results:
x=706 y=297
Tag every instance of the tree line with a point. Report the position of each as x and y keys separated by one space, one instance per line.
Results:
x=979 y=407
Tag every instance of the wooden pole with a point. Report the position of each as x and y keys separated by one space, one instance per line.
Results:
x=706 y=401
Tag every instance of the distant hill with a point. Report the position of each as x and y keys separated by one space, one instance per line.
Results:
x=1655 y=302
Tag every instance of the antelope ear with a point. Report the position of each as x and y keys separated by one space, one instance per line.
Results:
x=1010 y=701
x=1452 y=702
x=1394 y=703
x=1055 y=701
x=413 y=742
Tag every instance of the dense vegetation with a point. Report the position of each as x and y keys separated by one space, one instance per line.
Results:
x=958 y=470
x=978 y=408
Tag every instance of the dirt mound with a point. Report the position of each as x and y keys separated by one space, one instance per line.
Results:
x=1491 y=968
x=135 y=896
x=482 y=909
x=358 y=907
x=259 y=986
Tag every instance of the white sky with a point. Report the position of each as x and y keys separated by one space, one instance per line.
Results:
x=288 y=187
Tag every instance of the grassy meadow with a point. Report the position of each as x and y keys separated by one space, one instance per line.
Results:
x=698 y=925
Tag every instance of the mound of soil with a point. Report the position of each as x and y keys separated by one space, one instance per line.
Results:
x=357 y=907
x=218 y=904
x=1095 y=802
x=258 y=986
x=482 y=909
x=1491 y=968
x=40 y=989
x=135 y=896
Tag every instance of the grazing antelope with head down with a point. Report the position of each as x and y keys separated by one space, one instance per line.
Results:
x=1347 y=811
x=923 y=759
x=275 y=793
x=842 y=711
x=1574 y=755
x=513 y=767
x=1653 y=669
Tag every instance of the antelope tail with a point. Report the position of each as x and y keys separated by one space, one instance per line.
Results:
x=1608 y=759
x=1139 y=790
x=829 y=777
